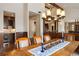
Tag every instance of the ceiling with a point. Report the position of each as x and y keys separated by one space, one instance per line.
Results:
x=64 y=5
x=32 y=14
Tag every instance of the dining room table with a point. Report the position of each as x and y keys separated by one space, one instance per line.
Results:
x=68 y=50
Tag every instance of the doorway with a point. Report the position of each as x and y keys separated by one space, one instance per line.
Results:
x=34 y=24
x=9 y=30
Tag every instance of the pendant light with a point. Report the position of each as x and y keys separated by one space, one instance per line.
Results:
x=43 y=15
x=49 y=19
x=48 y=12
x=58 y=12
x=62 y=13
x=49 y=15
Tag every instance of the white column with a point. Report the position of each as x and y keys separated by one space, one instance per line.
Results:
x=41 y=21
x=41 y=27
x=26 y=18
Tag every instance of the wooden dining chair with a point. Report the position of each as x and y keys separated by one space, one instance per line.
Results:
x=37 y=39
x=22 y=42
x=47 y=38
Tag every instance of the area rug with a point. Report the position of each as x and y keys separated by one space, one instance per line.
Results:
x=37 y=51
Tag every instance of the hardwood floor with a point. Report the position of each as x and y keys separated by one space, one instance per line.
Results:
x=5 y=50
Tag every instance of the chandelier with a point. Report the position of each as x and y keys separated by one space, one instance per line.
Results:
x=48 y=15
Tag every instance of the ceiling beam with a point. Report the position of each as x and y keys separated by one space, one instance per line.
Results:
x=47 y=7
x=55 y=5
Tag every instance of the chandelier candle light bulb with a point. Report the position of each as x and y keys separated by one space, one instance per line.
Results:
x=49 y=18
x=62 y=13
x=43 y=15
x=58 y=12
x=48 y=12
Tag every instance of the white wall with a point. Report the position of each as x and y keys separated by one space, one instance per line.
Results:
x=17 y=8
x=26 y=18
x=72 y=13
x=1 y=21
x=32 y=26
x=36 y=7
x=21 y=14
x=61 y=27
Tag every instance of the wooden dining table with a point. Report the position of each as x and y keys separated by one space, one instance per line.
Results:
x=66 y=51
